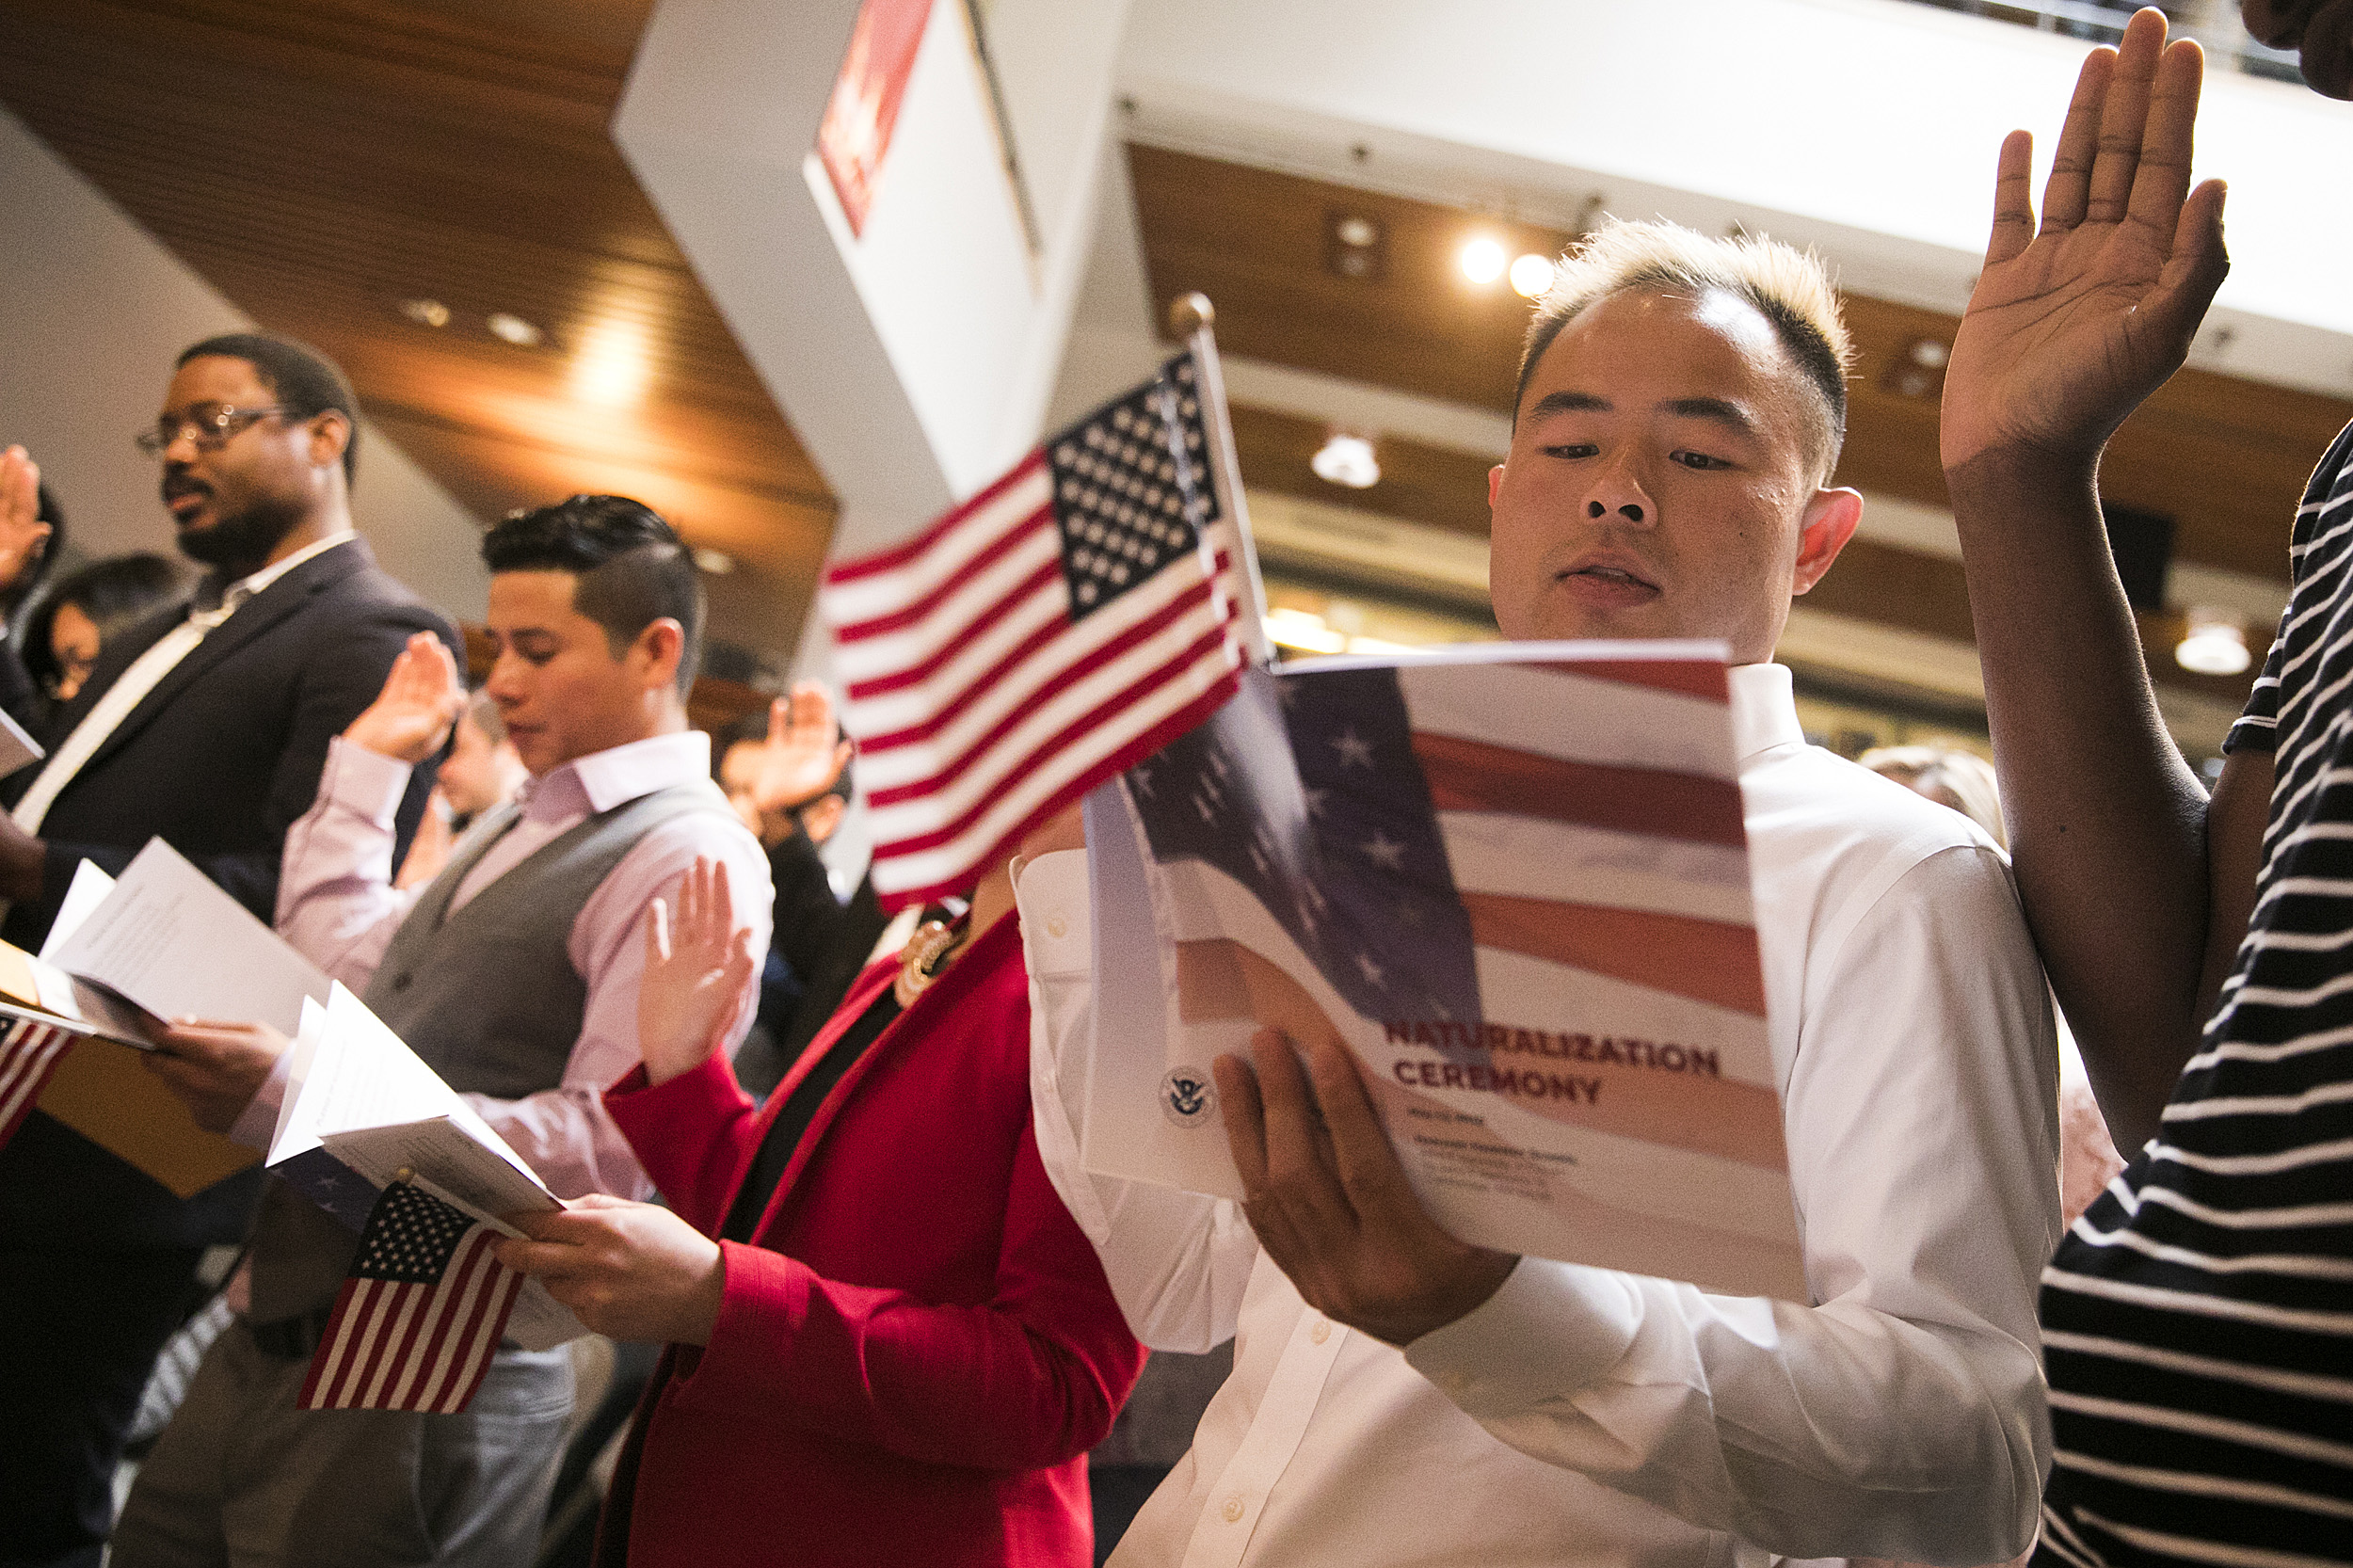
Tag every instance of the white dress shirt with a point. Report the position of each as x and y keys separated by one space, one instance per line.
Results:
x=1586 y=1416
x=337 y=906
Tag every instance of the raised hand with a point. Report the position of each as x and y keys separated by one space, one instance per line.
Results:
x=22 y=535
x=629 y=1271
x=2071 y=326
x=421 y=699
x=801 y=756
x=700 y=966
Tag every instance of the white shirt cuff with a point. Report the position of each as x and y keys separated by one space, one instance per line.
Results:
x=1051 y=895
x=1552 y=1328
x=257 y=1124
x=365 y=783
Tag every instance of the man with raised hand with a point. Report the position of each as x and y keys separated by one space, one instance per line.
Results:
x=515 y=975
x=1400 y=1397
x=2197 y=1325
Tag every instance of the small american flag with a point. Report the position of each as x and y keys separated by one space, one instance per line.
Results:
x=29 y=1052
x=420 y=1317
x=1068 y=621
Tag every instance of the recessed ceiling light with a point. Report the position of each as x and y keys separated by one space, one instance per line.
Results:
x=514 y=330
x=1930 y=353
x=1531 y=275
x=1347 y=460
x=716 y=563
x=426 y=313
x=1483 y=260
x=1355 y=246
x=611 y=365
x=2216 y=644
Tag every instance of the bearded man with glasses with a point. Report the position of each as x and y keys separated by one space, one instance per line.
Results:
x=206 y=724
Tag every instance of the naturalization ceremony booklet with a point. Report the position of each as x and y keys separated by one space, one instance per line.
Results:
x=1513 y=879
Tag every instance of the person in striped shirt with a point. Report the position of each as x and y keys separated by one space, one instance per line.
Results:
x=2197 y=1319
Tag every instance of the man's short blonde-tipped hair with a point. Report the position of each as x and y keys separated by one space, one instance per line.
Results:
x=1787 y=287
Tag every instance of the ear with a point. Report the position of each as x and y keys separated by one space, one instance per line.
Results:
x=330 y=434
x=1830 y=523
x=659 y=647
x=1495 y=485
x=821 y=818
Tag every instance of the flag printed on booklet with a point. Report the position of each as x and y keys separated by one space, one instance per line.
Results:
x=419 y=1318
x=29 y=1052
x=1514 y=881
x=1070 y=620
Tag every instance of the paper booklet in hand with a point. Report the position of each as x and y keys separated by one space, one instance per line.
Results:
x=362 y=1111
x=163 y=941
x=1514 y=881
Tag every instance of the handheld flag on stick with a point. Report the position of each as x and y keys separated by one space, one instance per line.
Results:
x=28 y=1054
x=1068 y=621
x=421 y=1315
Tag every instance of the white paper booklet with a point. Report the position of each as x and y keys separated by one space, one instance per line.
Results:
x=360 y=1108
x=166 y=937
x=1513 y=880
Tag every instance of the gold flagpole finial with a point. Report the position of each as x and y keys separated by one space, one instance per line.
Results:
x=1191 y=313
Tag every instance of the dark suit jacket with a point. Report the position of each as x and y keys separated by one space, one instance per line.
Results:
x=219 y=761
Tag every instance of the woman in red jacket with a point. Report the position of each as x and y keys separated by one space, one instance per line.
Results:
x=888 y=1341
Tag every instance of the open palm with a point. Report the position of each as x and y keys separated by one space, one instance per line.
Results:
x=803 y=754
x=22 y=535
x=698 y=967
x=2071 y=326
x=422 y=697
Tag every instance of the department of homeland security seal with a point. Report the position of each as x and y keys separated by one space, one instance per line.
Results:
x=1187 y=1096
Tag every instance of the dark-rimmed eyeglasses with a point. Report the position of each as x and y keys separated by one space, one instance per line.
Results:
x=210 y=425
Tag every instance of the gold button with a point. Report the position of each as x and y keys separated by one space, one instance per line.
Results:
x=1233 y=1508
x=1057 y=927
x=1321 y=1332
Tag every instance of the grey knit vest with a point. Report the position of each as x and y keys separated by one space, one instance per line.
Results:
x=488 y=996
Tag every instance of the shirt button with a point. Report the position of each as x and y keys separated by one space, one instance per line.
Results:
x=1057 y=927
x=1321 y=1332
x=1232 y=1511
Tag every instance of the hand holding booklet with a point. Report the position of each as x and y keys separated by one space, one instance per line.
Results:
x=163 y=941
x=363 y=1111
x=1513 y=880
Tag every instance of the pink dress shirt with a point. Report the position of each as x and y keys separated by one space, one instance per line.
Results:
x=337 y=905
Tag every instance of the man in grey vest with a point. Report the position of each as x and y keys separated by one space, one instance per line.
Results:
x=515 y=974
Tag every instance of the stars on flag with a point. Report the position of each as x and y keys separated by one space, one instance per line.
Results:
x=421 y=1313
x=1130 y=490
x=1361 y=843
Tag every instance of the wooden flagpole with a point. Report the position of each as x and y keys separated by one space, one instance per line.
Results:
x=1189 y=317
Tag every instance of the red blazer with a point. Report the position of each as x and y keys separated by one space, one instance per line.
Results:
x=912 y=1360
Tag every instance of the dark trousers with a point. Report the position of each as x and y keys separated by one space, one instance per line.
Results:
x=82 y=1332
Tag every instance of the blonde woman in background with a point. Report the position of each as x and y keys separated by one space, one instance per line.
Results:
x=1965 y=781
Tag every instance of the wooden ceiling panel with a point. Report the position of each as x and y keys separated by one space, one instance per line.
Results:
x=321 y=164
x=1929 y=594
x=1433 y=485
x=2225 y=457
